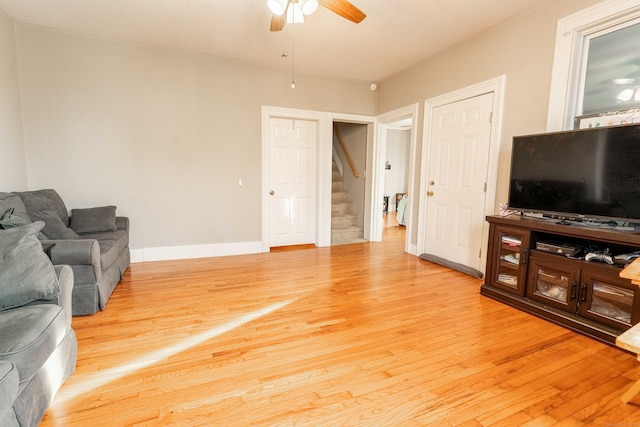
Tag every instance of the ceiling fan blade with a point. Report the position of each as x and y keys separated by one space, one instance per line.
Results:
x=344 y=9
x=277 y=22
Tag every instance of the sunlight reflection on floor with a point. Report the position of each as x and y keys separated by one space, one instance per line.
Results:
x=98 y=379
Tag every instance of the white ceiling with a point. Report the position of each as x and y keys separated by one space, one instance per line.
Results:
x=395 y=35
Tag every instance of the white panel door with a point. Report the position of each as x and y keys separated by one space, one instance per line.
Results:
x=292 y=200
x=456 y=193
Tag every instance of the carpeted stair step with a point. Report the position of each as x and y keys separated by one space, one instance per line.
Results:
x=343 y=221
x=347 y=235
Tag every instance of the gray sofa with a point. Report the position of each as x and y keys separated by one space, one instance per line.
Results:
x=38 y=347
x=94 y=242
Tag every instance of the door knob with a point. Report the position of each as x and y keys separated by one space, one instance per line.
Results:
x=272 y=192
x=429 y=193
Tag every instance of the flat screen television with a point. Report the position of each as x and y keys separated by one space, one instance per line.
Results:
x=580 y=174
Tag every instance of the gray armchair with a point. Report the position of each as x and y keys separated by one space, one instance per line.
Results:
x=93 y=241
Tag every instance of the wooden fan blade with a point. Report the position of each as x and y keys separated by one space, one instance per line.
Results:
x=344 y=9
x=277 y=22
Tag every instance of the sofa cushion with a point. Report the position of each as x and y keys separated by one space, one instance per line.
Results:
x=112 y=244
x=26 y=273
x=28 y=336
x=93 y=220
x=12 y=202
x=45 y=200
x=12 y=220
x=54 y=228
x=121 y=237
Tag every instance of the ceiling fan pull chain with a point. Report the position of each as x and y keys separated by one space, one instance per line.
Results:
x=293 y=61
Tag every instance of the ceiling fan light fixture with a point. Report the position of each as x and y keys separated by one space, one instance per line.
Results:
x=624 y=81
x=625 y=95
x=277 y=7
x=294 y=14
x=308 y=6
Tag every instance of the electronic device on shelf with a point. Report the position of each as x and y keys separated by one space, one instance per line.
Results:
x=559 y=248
x=580 y=175
x=600 y=257
x=625 y=259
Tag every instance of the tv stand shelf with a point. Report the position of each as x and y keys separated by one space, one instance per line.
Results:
x=587 y=297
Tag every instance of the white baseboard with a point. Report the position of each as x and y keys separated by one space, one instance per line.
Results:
x=165 y=253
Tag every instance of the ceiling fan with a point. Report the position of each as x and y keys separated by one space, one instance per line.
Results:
x=293 y=11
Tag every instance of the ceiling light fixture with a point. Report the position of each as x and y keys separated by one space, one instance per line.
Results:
x=277 y=7
x=294 y=14
x=624 y=81
x=625 y=95
x=295 y=9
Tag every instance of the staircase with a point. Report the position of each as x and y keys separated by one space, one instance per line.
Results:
x=344 y=223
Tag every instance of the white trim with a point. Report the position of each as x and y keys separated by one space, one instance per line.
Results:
x=570 y=33
x=323 y=165
x=164 y=253
x=497 y=86
x=377 y=189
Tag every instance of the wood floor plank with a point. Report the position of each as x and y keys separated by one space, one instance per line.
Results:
x=353 y=335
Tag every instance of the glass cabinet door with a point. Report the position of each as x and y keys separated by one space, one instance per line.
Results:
x=608 y=301
x=510 y=260
x=552 y=282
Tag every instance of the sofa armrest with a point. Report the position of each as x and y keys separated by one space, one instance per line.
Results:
x=122 y=222
x=75 y=252
x=64 y=273
x=8 y=393
x=65 y=279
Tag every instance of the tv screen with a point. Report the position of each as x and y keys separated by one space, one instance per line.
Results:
x=591 y=173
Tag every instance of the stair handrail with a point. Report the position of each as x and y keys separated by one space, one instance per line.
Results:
x=336 y=159
x=346 y=152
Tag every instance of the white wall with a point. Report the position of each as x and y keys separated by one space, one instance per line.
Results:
x=13 y=166
x=164 y=135
x=522 y=49
x=396 y=180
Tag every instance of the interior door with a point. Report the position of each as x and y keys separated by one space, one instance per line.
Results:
x=456 y=194
x=292 y=179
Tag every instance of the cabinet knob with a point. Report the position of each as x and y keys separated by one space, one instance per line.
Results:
x=429 y=193
x=272 y=192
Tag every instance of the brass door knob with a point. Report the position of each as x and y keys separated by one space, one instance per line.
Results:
x=429 y=193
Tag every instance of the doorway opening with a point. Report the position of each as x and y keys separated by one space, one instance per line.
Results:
x=396 y=178
x=348 y=183
x=394 y=175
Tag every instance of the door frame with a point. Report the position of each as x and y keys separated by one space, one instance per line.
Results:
x=497 y=86
x=379 y=151
x=324 y=154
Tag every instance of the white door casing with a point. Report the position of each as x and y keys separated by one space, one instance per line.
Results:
x=292 y=181
x=432 y=228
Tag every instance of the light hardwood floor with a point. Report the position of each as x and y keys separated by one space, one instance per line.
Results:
x=355 y=335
